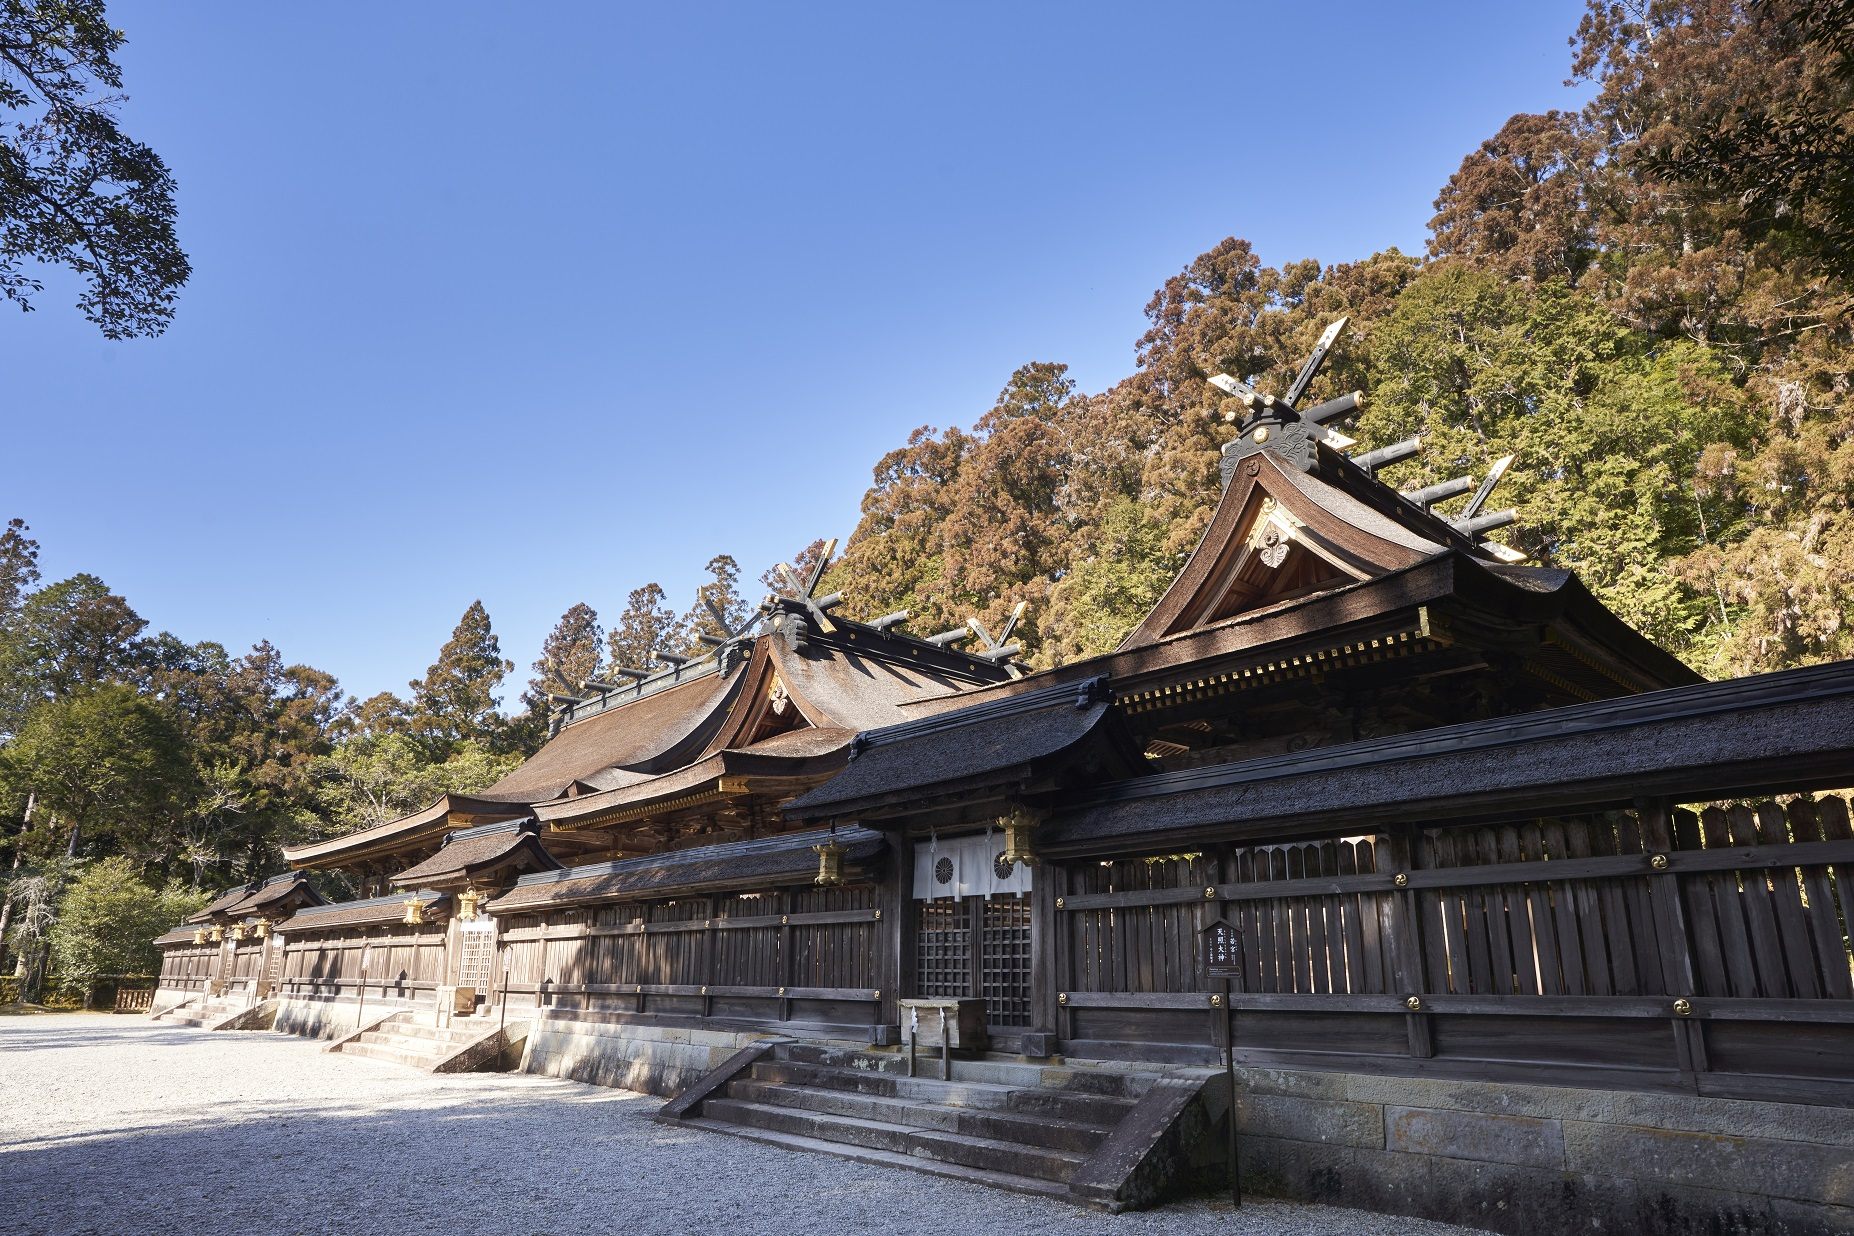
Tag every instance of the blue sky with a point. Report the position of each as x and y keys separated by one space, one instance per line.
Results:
x=536 y=304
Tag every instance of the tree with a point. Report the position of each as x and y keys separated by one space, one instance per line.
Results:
x=457 y=700
x=1733 y=105
x=1517 y=204
x=35 y=894
x=19 y=567
x=721 y=594
x=65 y=638
x=107 y=922
x=646 y=627
x=370 y=779
x=75 y=190
x=109 y=768
x=893 y=559
x=1105 y=594
x=572 y=652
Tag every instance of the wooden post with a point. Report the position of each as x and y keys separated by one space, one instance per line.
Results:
x=1673 y=942
x=1045 y=937
x=1406 y=928
x=783 y=900
x=895 y=935
x=708 y=953
x=975 y=953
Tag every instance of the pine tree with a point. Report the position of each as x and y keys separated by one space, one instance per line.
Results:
x=19 y=565
x=456 y=701
x=646 y=627
x=720 y=594
x=571 y=653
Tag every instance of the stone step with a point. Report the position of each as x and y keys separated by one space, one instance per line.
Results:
x=433 y=1034
x=886 y=1158
x=401 y=1042
x=988 y=1154
x=990 y=1069
x=1045 y=1132
x=395 y=1053
x=1103 y=1111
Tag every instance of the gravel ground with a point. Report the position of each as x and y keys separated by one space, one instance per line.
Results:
x=108 y=1126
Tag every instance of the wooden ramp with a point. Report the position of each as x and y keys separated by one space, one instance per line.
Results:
x=1112 y=1138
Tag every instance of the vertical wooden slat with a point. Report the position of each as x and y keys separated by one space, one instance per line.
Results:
x=1564 y=916
x=1589 y=906
x=1760 y=910
x=1824 y=920
x=1486 y=849
x=1357 y=980
x=1798 y=944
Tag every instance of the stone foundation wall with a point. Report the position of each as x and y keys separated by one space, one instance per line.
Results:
x=661 y=1060
x=169 y=998
x=1527 y=1159
x=313 y=1018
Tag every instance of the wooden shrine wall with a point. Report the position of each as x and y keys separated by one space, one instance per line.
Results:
x=187 y=967
x=403 y=963
x=1702 y=947
x=796 y=958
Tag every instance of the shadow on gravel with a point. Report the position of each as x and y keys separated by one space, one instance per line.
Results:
x=533 y=1157
x=39 y=1036
x=376 y=1148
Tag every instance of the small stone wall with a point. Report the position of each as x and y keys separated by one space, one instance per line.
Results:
x=1527 y=1159
x=661 y=1060
x=314 y=1017
x=166 y=999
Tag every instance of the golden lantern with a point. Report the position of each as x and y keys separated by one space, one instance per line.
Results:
x=466 y=902
x=199 y=935
x=1018 y=826
x=238 y=931
x=830 y=862
x=218 y=933
x=263 y=929
x=415 y=912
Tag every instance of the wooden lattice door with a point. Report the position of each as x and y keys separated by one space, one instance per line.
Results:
x=977 y=946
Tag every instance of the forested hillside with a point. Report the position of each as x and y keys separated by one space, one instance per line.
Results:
x=1647 y=301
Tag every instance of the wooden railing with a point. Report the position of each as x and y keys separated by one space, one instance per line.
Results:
x=1697 y=947
x=807 y=957
x=134 y=999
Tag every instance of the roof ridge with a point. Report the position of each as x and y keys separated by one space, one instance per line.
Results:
x=526 y=823
x=423 y=894
x=756 y=845
x=1832 y=679
x=1083 y=694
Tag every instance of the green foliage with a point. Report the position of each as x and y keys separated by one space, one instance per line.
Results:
x=74 y=189
x=719 y=596
x=107 y=766
x=65 y=638
x=370 y=779
x=456 y=701
x=1648 y=302
x=646 y=627
x=109 y=918
x=1106 y=594
x=19 y=566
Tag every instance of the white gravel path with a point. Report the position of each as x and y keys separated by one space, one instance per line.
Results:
x=113 y=1126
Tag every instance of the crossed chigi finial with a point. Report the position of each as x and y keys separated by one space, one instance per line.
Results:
x=1280 y=426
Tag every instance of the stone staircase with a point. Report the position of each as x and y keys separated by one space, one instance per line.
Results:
x=203 y=1013
x=1000 y=1121
x=402 y=1039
